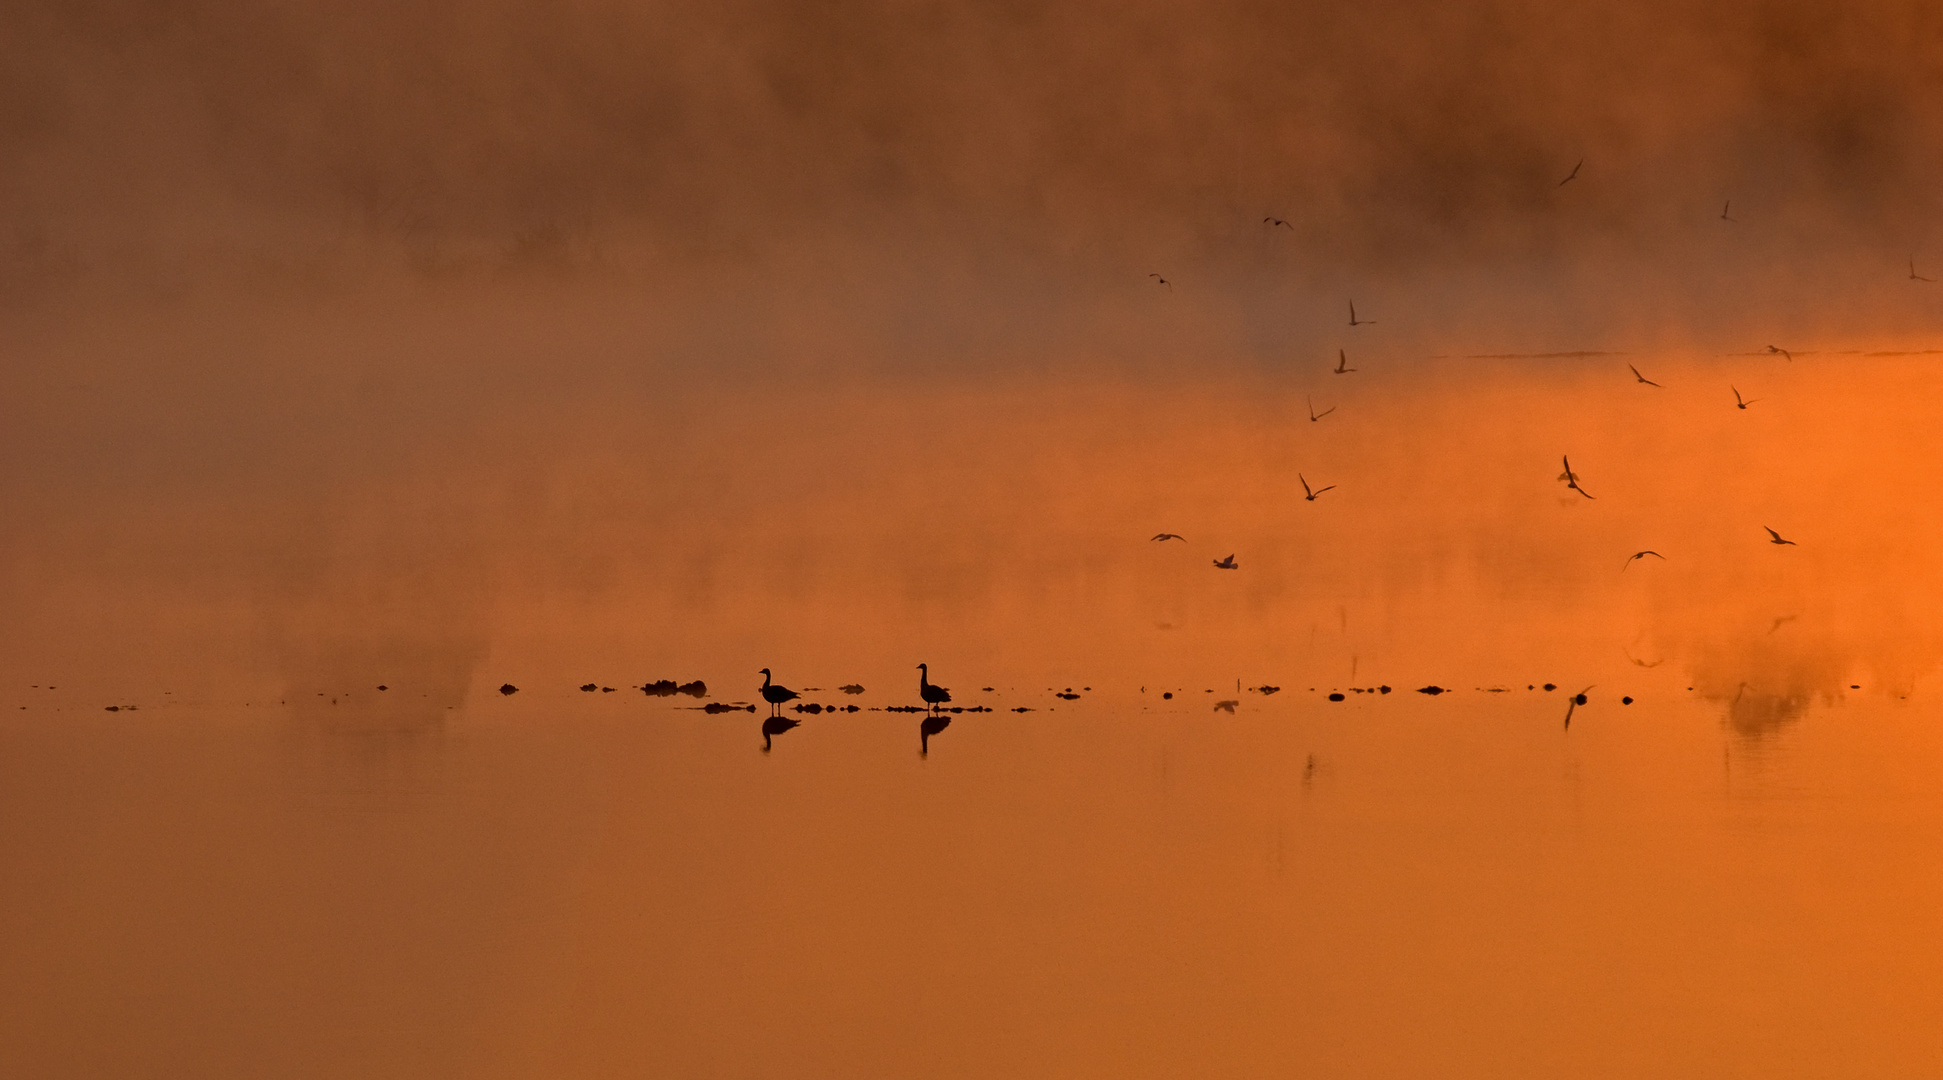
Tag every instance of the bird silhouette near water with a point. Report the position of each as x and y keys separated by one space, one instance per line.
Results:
x=933 y=696
x=1571 y=478
x=775 y=695
x=1227 y=564
x=1578 y=699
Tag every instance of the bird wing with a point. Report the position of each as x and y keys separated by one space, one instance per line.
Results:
x=1325 y=412
x=1772 y=533
x=1323 y=489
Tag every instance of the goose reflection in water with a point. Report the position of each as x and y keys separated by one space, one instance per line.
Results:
x=775 y=725
x=932 y=724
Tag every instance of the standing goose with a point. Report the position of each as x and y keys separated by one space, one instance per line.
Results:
x=933 y=696
x=775 y=695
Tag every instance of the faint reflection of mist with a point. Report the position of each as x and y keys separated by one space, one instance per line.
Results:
x=1755 y=714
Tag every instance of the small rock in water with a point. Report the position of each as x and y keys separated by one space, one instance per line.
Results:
x=1626 y=701
x=588 y=688
x=1168 y=696
x=1382 y=689
x=1432 y=690
x=382 y=686
x=508 y=689
x=1335 y=697
x=1551 y=686
x=852 y=688
x=1267 y=690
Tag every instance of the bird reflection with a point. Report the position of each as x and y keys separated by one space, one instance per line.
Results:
x=930 y=726
x=775 y=725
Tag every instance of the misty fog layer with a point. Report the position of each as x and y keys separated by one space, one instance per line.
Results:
x=160 y=139
x=445 y=336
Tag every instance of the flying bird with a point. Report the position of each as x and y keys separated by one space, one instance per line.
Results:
x=1307 y=493
x=1353 y=321
x=1313 y=414
x=1642 y=378
x=1163 y=281
x=1777 y=538
x=1783 y=352
x=1723 y=210
x=775 y=695
x=1571 y=478
x=1272 y=222
x=933 y=696
x=1170 y=536
x=1738 y=403
x=1638 y=555
x=1575 y=173
x=1342 y=363
x=1913 y=275
x=1228 y=563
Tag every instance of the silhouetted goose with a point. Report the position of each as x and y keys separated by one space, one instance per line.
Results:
x=1273 y=222
x=775 y=725
x=1227 y=564
x=933 y=696
x=930 y=726
x=775 y=695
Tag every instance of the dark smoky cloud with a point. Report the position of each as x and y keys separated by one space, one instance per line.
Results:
x=439 y=135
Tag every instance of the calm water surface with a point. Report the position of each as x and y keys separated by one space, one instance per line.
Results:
x=568 y=886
